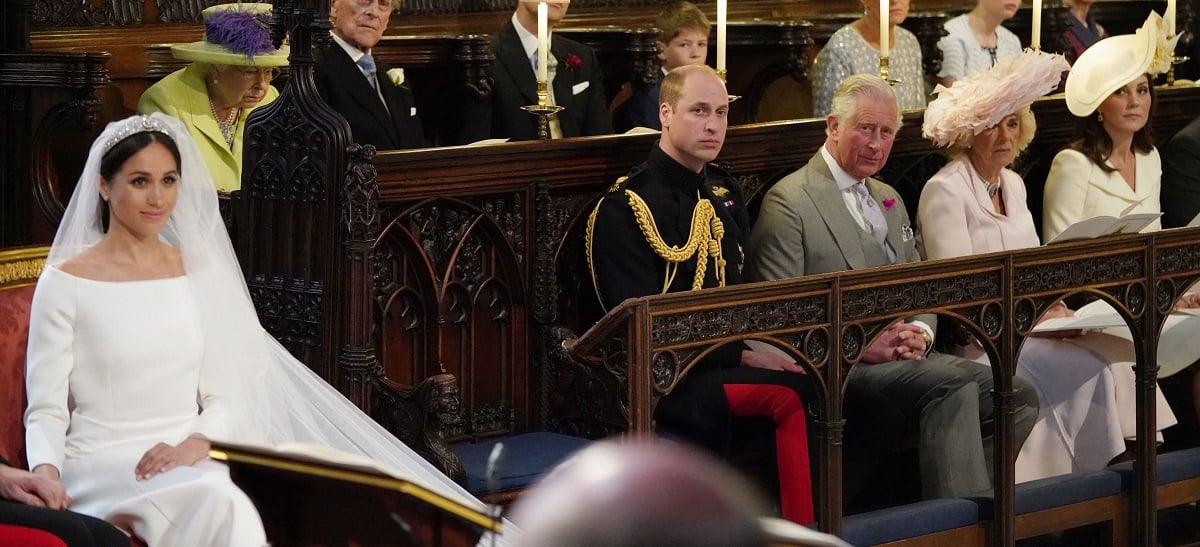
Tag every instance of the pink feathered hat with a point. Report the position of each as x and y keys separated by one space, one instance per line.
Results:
x=981 y=100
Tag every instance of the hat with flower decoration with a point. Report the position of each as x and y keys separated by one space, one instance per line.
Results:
x=983 y=99
x=1115 y=61
x=235 y=34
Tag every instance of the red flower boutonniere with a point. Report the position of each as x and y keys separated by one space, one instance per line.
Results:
x=574 y=62
x=888 y=203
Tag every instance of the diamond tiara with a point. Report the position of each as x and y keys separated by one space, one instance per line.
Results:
x=134 y=125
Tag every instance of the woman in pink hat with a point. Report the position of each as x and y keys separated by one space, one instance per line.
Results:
x=975 y=205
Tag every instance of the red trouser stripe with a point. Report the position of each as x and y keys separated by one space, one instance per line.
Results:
x=28 y=537
x=791 y=441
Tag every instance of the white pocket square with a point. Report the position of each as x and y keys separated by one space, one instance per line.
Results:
x=412 y=112
x=579 y=87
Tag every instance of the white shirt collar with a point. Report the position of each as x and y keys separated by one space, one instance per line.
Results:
x=840 y=176
x=354 y=53
x=528 y=39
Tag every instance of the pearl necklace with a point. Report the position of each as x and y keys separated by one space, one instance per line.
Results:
x=991 y=187
x=226 y=126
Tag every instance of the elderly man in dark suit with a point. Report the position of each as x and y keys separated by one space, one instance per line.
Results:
x=831 y=216
x=366 y=91
x=576 y=83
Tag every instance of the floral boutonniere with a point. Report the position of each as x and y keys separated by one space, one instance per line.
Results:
x=574 y=62
x=396 y=75
x=888 y=203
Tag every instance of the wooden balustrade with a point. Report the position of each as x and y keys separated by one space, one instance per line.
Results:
x=646 y=345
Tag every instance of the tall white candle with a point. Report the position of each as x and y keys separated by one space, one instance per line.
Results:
x=722 y=15
x=1169 y=19
x=885 y=23
x=1035 y=40
x=543 y=52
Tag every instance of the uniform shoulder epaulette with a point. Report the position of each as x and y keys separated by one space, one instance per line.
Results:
x=624 y=181
x=719 y=180
x=717 y=171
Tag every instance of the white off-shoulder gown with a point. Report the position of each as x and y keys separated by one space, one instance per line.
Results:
x=113 y=369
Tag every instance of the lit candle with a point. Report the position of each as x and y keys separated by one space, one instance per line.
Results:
x=1169 y=20
x=1035 y=41
x=543 y=52
x=721 y=16
x=885 y=21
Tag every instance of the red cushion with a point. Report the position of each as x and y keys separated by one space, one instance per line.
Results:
x=28 y=537
x=14 y=336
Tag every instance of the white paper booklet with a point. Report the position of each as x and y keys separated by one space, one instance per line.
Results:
x=1105 y=226
x=1080 y=322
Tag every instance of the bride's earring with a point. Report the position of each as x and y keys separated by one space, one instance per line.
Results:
x=1100 y=117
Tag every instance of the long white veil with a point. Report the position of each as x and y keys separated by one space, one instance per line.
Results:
x=275 y=398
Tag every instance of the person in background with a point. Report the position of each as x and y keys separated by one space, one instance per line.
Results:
x=831 y=216
x=975 y=40
x=1181 y=176
x=682 y=40
x=645 y=491
x=229 y=76
x=854 y=49
x=1115 y=168
x=1084 y=30
x=372 y=96
x=976 y=205
x=576 y=83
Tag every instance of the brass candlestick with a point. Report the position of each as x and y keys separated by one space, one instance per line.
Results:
x=543 y=109
x=721 y=75
x=883 y=72
x=1174 y=61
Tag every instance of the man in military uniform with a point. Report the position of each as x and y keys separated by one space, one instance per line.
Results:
x=677 y=223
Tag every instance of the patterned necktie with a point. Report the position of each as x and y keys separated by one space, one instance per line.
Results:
x=367 y=64
x=876 y=224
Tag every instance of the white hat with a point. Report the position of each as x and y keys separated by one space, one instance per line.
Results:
x=1115 y=61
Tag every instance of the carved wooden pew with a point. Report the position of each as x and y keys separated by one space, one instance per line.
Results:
x=825 y=322
x=477 y=271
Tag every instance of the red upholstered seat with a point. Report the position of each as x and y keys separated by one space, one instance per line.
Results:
x=19 y=270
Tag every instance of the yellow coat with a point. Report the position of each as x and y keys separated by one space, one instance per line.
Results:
x=182 y=94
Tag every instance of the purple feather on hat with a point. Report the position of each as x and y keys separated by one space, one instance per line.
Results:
x=239 y=31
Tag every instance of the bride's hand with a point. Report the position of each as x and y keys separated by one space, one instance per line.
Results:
x=163 y=457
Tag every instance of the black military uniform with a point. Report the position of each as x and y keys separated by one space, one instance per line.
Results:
x=625 y=266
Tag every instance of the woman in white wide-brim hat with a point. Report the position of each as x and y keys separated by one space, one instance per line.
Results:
x=1114 y=168
x=229 y=75
x=975 y=205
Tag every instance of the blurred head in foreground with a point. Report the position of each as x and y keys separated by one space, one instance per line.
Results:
x=640 y=493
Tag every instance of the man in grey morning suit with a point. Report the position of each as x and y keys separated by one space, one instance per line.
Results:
x=830 y=216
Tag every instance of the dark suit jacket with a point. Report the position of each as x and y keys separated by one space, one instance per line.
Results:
x=346 y=90
x=1181 y=176
x=579 y=91
x=641 y=110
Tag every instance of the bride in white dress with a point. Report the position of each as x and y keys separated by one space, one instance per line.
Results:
x=144 y=345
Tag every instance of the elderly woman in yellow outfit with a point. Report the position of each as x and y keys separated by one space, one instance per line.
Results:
x=229 y=76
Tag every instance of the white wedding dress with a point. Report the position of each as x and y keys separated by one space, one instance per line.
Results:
x=113 y=369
